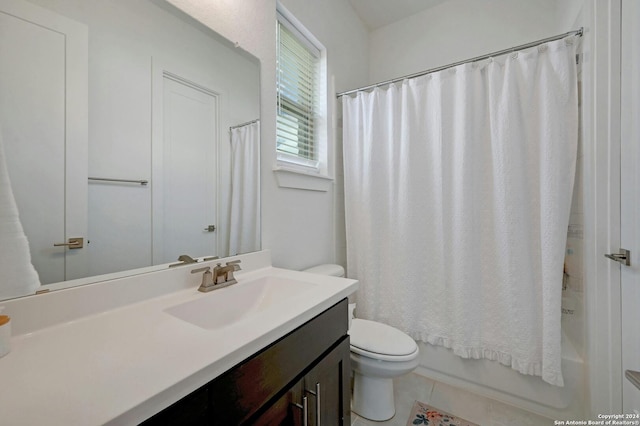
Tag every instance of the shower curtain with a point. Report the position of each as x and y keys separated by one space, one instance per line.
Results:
x=244 y=222
x=458 y=188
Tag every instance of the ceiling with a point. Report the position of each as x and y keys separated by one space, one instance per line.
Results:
x=378 y=13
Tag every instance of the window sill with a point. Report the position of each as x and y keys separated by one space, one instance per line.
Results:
x=298 y=179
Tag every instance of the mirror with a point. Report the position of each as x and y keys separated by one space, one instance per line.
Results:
x=130 y=135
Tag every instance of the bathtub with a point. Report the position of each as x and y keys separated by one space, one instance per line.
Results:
x=496 y=381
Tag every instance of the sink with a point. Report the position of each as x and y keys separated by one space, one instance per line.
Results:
x=221 y=308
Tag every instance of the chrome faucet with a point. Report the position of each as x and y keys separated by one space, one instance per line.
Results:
x=222 y=276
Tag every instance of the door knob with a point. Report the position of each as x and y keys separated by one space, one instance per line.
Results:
x=633 y=377
x=624 y=257
x=210 y=228
x=74 y=243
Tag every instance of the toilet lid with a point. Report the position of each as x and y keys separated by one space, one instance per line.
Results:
x=327 y=269
x=375 y=337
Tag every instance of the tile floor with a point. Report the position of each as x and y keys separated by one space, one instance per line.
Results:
x=467 y=405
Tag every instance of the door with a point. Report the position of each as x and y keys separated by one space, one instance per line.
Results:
x=327 y=387
x=630 y=199
x=43 y=116
x=185 y=223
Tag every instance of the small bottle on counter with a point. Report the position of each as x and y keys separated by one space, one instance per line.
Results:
x=5 y=335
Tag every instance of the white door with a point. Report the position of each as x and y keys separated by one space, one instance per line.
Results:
x=186 y=222
x=43 y=116
x=630 y=199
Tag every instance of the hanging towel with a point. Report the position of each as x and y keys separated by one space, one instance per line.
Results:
x=18 y=277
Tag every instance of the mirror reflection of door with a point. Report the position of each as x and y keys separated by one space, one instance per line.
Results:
x=188 y=185
x=43 y=107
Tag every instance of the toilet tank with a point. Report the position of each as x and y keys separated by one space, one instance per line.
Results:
x=327 y=269
x=334 y=271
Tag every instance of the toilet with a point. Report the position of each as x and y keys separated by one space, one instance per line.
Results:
x=379 y=353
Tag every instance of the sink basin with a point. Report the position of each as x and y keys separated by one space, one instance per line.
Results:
x=221 y=308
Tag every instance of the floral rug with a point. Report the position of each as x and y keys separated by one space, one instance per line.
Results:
x=423 y=414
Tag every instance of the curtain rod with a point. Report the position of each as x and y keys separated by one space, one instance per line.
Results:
x=244 y=124
x=578 y=32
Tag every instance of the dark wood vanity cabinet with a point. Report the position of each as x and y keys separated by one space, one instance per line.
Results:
x=305 y=372
x=326 y=379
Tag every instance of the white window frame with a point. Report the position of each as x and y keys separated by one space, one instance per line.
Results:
x=287 y=166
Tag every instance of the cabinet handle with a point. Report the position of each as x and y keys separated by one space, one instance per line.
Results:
x=318 y=405
x=305 y=410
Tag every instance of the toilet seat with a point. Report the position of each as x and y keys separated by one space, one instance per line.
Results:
x=380 y=341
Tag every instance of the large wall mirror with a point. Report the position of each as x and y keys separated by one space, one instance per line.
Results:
x=130 y=135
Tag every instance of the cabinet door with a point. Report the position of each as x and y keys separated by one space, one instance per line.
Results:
x=241 y=394
x=327 y=388
x=287 y=410
x=322 y=394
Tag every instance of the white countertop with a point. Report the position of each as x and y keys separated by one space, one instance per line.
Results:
x=123 y=365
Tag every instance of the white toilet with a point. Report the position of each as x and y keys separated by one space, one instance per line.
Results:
x=378 y=354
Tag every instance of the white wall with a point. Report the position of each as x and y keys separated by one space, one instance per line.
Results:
x=460 y=29
x=297 y=225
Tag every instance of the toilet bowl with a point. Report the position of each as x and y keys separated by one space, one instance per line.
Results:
x=379 y=353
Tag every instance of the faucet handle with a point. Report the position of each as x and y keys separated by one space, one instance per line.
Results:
x=235 y=264
x=230 y=268
x=204 y=269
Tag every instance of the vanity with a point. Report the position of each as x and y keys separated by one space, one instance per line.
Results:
x=304 y=375
x=151 y=349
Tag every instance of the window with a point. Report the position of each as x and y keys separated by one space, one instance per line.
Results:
x=299 y=98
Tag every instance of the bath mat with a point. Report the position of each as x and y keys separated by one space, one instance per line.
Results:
x=423 y=414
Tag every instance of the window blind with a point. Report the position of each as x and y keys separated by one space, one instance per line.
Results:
x=297 y=95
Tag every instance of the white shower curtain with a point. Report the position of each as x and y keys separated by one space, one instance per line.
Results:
x=244 y=223
x=458 y=188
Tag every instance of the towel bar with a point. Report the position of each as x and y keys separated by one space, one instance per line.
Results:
x=141 y=182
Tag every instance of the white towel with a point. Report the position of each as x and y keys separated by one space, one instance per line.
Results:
x=18 y=277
